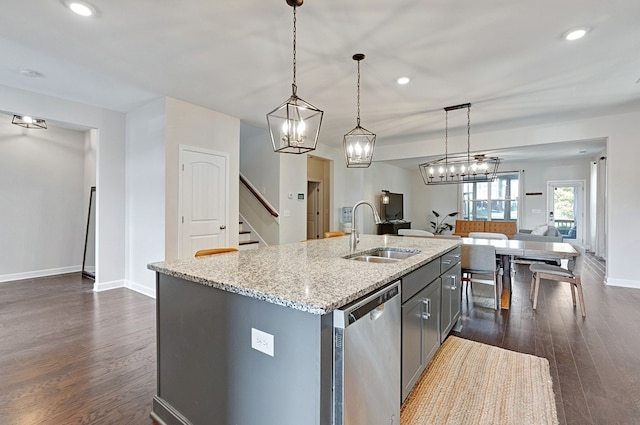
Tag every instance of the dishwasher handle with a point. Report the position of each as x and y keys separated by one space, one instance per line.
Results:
x=373 y=303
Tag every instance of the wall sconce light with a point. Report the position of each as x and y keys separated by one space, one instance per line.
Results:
x=29 y=122
x=385 y=197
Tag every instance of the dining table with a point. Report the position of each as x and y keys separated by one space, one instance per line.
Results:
x=509 y=248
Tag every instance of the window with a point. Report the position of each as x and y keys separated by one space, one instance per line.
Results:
x=494 y=201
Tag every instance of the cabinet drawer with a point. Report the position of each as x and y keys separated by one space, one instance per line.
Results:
x=418 y=279
x=450 y=259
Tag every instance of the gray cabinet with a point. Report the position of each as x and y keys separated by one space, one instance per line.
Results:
x=431 y=301
x=420 y=333
x=451 y=298
x=421 y=291
x=450 y=301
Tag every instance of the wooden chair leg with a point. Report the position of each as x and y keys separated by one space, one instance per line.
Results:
x=497 y=294
x=573 y=293
x=581 y=296
x=535 y=290
x=533 y=281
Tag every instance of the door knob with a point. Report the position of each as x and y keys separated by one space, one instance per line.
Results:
x=222 y=227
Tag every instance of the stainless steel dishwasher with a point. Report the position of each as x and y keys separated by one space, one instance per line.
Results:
x=366 y=352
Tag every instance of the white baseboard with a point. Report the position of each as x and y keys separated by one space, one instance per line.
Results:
x=623 y=283
x=105 y=286
x=142 y=289
x=39 y=273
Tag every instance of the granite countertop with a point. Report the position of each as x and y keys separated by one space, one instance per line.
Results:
x=309 y=276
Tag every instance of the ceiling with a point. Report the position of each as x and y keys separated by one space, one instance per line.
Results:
x=507 y=58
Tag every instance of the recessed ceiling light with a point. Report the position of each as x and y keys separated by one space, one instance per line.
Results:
x=403 y=80
x=575 y=34
x=80 y=7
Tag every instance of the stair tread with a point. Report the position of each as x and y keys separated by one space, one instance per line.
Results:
x=247 y=242
x=244 y=232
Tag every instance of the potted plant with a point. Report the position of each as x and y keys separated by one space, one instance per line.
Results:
x=440 y=226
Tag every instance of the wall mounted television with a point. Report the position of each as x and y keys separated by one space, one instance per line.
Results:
x=394 y=210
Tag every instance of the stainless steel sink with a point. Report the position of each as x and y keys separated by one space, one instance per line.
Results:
x=383 y=255
x=374 y=259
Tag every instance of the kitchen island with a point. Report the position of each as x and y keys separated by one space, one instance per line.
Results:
x=247 y=338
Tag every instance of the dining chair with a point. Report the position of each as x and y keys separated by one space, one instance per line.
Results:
x=333 y=234
x=413 y=232
x=481 y=260
x=491 y=235
x=213 y=251
x=550 y=272
x=488 y=235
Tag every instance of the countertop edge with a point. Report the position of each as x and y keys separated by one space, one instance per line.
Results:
x=159 y=267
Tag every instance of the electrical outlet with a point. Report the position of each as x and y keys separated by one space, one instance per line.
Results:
x=262 y=341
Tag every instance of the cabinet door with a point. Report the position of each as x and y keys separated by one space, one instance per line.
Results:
x=420 y=334
x=451 y=300
x=456 y=293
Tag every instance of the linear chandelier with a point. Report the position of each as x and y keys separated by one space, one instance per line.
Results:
x=359 y=142
x=460 y=168
x=29 y=122
x=294 y=126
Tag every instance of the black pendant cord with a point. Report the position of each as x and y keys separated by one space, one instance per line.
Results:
x=358 y=120
x=294 y=88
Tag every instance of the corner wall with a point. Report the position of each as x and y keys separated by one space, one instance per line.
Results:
x=110 y=170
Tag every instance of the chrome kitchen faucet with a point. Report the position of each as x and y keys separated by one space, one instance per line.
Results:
x=353 y=238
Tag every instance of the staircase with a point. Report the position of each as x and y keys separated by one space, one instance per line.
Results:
x=244 y=239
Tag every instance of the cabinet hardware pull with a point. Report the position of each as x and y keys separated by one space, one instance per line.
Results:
x=453 y=285
x=427 y=302
x=447 y=262
x=222 y=227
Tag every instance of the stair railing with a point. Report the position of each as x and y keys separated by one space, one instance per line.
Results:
x=258 y=196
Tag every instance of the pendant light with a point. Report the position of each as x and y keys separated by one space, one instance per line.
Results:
x=359 y=142
x=294 y=126
x=461 y=168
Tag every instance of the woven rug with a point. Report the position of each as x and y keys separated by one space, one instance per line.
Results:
x=472 y=383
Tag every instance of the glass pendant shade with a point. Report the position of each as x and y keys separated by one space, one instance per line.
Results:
x=294 y=126
x=461 y=168
x=29 y=122
x=358 y=147
x=358 y=144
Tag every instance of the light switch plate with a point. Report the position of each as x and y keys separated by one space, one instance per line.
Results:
x=262 y=341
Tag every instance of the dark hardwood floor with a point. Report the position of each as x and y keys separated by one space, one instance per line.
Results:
x=72 y=356
x=595 y=361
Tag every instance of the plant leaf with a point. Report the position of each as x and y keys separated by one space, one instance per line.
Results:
x=435 y=213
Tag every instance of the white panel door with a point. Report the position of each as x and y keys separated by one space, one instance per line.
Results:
x=203 y=201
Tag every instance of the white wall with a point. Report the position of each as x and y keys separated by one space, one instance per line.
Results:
x=145 y=194
x=259 y=163
x=293 y=211
x=42 y=202
x=191 y=125
x=261 y=166
x=623 y=201
x=110 y=172
x=535 y=178
x=350 y=185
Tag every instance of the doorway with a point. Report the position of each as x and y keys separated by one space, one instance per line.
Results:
x=566 y=208
x=318 y=196
x=314 y=207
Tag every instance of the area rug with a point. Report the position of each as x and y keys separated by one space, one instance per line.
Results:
x=472 y=383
